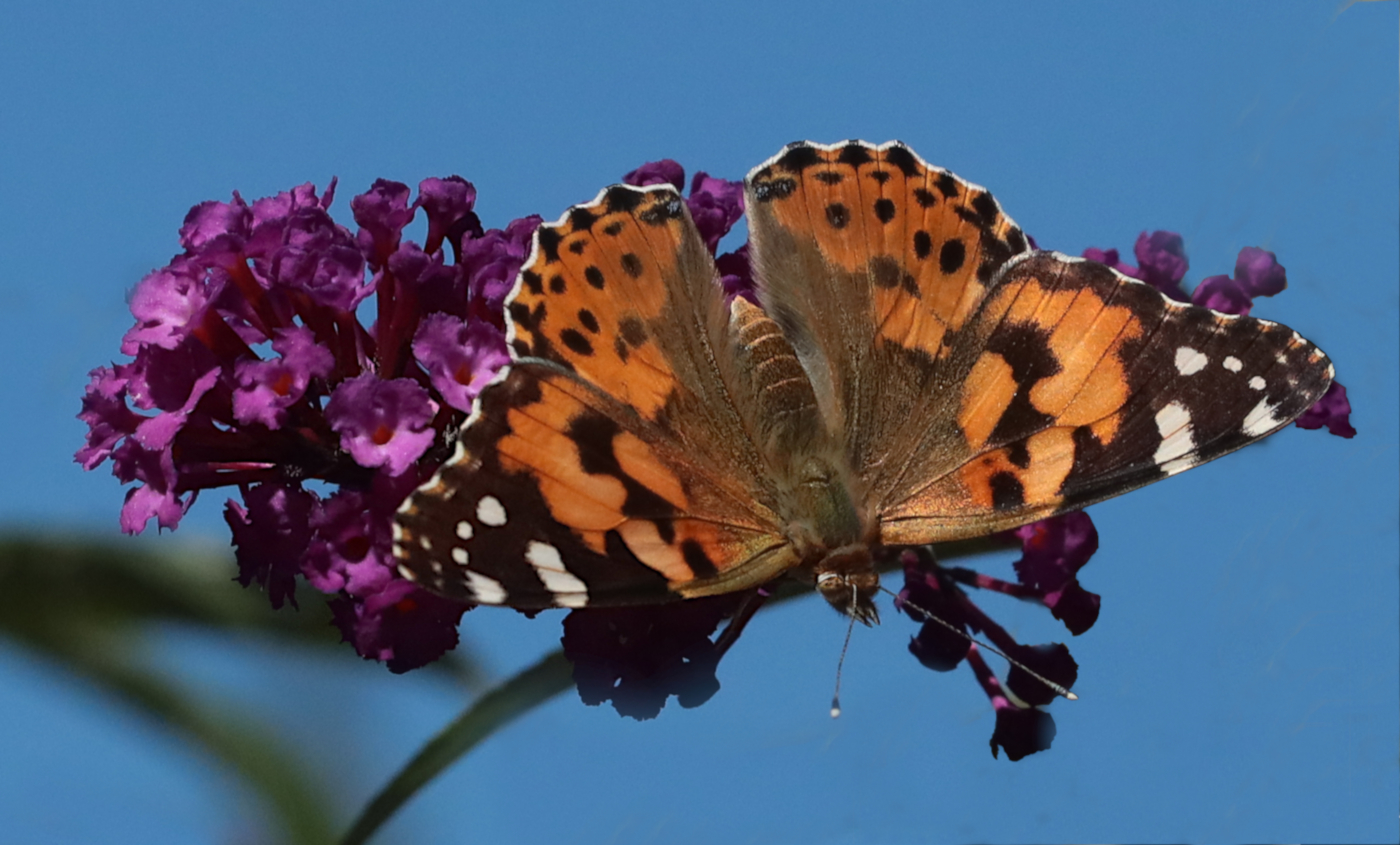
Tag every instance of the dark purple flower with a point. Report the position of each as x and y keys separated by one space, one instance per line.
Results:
x=270 y=536
x=107 y=416
x=928 y=588
x=158 y=497
x=402 y=626
x=448 y=205
x=715 y=206
x=1161 y=258
x=1021 y=730
x=663 y=172
x=1052 y=552
x=1223 y=294
x=1257 y=273
x=934 y=595
x=735 y=274
x=382 y=423
x=637 y=657
x=492 y=263
x=460 y=356
x=1332 y=410
x=382 y=213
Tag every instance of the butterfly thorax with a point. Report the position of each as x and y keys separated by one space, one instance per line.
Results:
x=832 y=539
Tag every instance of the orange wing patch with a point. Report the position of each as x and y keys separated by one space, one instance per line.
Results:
x=595 y=283
x=555 y=473
x=928 y=242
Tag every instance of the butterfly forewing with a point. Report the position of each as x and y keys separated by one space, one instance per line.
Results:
x=612 y=463
x=1082 y=384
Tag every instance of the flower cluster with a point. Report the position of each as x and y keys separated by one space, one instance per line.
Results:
x=251 y=368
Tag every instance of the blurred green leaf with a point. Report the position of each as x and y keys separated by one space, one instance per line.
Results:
x=497 y=708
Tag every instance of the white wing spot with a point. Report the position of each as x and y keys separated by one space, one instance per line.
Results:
x=426 y=542
x=1257 y=383
x=1190 y=361
x=464 y=530
x=568 y=590
x=1261 y=420
x=490 y=511
x=485 y=590
x=1174 y=424
x=1233 y=364
x=460 y=556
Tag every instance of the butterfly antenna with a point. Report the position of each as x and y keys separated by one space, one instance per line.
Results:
x=836 y=696
x=1054 y=687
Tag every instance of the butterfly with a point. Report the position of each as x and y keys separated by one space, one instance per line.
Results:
x=915 y=372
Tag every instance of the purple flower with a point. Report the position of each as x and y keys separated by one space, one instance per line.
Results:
x=448 y=205
x=382 y=423
x=382 y=213
x=663 y=172
x=1021 y=730
x=270 y=535
x=1257 y=273
x=200 y=405
x=266 y=389
x=1332 y=410
x=492 y=263
x=934 y=595
x=1052 y=552
x=736 y=275
x=715 y=206
x=403 y=625
x=1161 y=258
x=637 y=657
x=460 y=356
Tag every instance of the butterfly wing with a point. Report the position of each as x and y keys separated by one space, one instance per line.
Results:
x=873 y=262
x=1081 y=384
x=980 y=385
x=619 y=459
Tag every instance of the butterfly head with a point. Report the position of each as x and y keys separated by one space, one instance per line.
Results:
x=846 y=579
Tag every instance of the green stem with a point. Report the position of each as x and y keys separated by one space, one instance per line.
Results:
x=502 y=705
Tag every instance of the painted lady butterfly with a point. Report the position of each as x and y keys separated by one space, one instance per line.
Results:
x=917 y=374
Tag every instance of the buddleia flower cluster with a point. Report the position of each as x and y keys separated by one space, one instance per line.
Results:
x=319 y=372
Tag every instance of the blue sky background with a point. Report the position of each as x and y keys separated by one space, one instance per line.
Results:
x=1243 y=680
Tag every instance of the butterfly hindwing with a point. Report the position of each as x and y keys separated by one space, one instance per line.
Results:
x=1082 y=384
x=562 y=496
